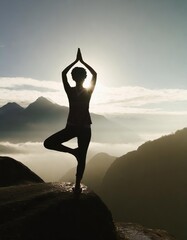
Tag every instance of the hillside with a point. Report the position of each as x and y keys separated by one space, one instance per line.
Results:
x=149 y=185
x=13 y=172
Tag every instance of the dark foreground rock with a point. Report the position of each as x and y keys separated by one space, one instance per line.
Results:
x=132 y=231
x=13 y=172
x=52 y=212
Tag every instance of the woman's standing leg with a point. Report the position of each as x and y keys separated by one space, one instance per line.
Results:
x=84 y=137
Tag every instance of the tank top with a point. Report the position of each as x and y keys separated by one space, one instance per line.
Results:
x=79 y=107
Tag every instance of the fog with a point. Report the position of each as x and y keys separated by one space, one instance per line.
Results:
x=114 y=134
x=51 y=165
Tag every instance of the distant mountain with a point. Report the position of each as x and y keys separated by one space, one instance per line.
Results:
x=8 y=113
x=44 y=110
x=31 y=123
x=13 y=172
x=42 y=118
x=11 y=108
x=149 y=185
x=94 y=172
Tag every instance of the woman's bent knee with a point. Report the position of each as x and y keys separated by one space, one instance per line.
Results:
x=47 y=144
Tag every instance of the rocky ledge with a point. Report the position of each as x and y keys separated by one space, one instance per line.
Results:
x=132 y=231
x=33 y=210
x=51 y=211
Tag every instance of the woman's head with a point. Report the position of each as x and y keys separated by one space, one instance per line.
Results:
x=78 y=74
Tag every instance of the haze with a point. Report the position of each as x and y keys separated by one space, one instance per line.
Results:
x=138 y=48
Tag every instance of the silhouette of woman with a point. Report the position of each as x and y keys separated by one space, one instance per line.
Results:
x=79 y=120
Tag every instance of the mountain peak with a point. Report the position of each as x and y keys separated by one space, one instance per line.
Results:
x=42 y=100
x=11 y=107
x=41 y=103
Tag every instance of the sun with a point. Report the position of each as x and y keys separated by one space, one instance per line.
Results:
x=87 y=84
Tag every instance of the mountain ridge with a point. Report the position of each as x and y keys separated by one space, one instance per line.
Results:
x=11 y=107
x=42 y=118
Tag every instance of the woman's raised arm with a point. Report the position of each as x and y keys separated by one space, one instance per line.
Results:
x=64 y=75
x=93 y=72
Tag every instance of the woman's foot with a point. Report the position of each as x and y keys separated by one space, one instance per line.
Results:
x=77 y=190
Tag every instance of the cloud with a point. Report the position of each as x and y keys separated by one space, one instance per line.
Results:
x=135 y=99
x=49 y=165
x=139 y=96
x=26 y=82
x=52 y=165
x=8 y=148
x=105 y=100
x=26 y=90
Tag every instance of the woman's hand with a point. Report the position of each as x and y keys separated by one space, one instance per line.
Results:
x=79 y=55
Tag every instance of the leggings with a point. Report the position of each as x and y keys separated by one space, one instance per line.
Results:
x=83 y=134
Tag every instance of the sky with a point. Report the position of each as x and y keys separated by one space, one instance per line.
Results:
x=137 y=47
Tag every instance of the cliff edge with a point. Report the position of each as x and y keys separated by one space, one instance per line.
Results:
x=52 y=211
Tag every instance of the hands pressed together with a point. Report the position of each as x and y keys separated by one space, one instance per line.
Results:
x=79 y=55
x=79 y=58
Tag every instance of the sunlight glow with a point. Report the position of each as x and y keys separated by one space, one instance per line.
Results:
x=87 y=83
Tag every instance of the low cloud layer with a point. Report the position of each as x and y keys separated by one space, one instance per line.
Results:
x=8 y=148
x=105 y=100
x=52 y=165
x=26 y=90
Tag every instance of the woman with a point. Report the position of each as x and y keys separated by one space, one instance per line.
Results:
x=79 y=120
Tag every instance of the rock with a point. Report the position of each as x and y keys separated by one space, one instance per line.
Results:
x=51 y=211
x=13 y=172
x=132 y=231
